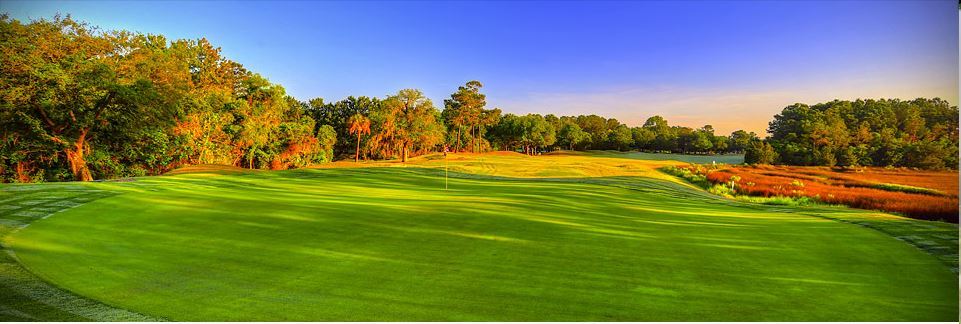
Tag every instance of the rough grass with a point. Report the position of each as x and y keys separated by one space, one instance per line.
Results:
x=846 y=188
x=598 y=240
x=942 y=181
x=908 y=189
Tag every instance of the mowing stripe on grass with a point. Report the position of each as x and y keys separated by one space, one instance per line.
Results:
x=23 y=295
x=392 y=244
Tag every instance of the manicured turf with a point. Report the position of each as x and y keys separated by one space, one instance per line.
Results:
x=25 y=297
x=392 y=244
x=689 y=158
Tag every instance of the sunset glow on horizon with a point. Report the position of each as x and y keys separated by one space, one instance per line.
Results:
x=732 y=65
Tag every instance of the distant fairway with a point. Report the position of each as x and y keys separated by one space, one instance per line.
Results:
x=602 y=239
x=690 y=158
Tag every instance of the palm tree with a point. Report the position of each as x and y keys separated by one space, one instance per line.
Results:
x=358 y=125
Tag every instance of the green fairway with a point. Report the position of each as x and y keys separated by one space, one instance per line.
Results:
x=690 y=158
x=391 y=244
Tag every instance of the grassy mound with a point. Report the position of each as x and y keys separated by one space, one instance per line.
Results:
x=392 y=244
x=210 y=169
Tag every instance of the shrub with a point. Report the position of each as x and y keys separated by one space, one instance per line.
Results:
x=930 y=195
x=854 y=189
x=780 y=200
x=721 y=190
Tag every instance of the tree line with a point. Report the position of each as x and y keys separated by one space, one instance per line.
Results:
x=367 y=128
x=79 y=103
x=920 y=133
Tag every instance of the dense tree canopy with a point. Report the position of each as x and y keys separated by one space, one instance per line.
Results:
x=78 y=103
x=81 y=104
x=466 y=119
x=572 y=136
x=920 y=133
x=338 y=114
x=406 y=123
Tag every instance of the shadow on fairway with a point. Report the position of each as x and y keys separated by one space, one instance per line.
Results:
x=392 y=244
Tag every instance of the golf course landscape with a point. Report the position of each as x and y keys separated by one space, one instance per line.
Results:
x=559 y=237
x=479 y=161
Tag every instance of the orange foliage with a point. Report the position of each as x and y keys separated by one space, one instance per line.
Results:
x=851 y=187
x=24 y=169
x=283 y=160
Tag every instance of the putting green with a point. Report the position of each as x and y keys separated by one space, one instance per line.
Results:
x=383 y=244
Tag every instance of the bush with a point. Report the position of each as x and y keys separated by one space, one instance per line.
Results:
x=104 y=165
x=779 y=200
x=721 y=190
x=692 y=174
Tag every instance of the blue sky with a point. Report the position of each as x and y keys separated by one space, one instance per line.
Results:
x=729 y=64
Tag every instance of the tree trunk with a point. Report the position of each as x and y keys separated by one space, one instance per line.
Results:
x=457 y=147
x=404 y=155
x=250 y=158
x=75 y=157
x=357 y=153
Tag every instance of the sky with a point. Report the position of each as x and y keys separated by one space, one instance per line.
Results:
x=732 y=65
